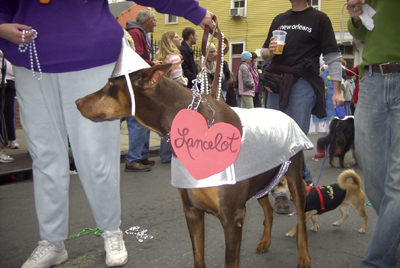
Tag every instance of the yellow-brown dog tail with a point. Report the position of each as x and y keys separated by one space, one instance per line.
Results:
x=345 y=175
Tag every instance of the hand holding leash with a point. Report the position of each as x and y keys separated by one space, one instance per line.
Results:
x=207 y=21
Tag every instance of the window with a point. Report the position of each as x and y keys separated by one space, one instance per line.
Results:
x=346 y=49
x=171 y=19
x=314 y=3
x=350 y=63
x=238 y=8
x=237 y=49
x=239 y=3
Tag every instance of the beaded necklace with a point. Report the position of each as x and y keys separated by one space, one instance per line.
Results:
x=23 y=47
x=204 y=86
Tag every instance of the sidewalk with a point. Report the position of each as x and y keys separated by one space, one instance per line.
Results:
x=23 y=162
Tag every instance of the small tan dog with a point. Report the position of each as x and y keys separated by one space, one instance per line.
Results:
x=326 y=198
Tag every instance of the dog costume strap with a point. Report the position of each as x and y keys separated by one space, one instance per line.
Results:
x=128 y=82
x=309 y=188
x=321 y=199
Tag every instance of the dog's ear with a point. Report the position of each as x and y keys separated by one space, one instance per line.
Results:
x=151 y=76
x=173 y=66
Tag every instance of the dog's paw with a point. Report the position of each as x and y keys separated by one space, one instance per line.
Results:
x=290 y=234
x=345 y=166
x=263 y=247
x=333 y=164
x=361 y=231
x=314 y=228
x=336 y=223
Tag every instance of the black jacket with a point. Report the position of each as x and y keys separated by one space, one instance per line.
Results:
x=310 y=72
x=189 y=66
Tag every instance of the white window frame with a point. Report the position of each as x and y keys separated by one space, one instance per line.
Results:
x=167 y=22
x=230 y=51
x=318 y=6
x=244 y=8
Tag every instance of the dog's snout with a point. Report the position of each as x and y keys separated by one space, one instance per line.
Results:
x=78 y=102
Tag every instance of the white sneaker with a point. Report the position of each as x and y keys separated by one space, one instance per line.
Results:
x=46 y=255
x=114 y=245
x=14 y=144
x=5 y=158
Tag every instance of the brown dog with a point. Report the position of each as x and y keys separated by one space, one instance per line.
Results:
x=158 y=99
x=325 y=198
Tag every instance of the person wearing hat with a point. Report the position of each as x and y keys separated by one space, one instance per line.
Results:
x=245 y=81
x=63 y=68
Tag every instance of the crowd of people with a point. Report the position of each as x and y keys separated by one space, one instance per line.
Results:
x=306 y=86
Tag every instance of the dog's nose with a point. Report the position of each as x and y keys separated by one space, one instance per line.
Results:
x=78 y=102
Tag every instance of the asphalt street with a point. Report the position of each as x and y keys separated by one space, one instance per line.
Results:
x=150 y=202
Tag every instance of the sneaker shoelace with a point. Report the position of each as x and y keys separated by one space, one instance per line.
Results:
x=114 y=241
x=43 y=247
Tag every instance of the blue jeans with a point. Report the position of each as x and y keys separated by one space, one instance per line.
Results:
x=165 y=152
x=347 y=107
x=377 y=143
x=239 y=99
x=301 y=102
x=139 y=140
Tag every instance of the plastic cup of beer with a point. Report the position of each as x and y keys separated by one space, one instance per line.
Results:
x=280 y=37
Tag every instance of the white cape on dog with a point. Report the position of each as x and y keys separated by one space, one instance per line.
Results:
x=270 y=138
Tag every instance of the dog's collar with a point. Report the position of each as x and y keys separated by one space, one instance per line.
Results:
x=194 y=105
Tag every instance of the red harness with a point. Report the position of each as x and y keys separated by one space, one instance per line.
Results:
x=320 y=197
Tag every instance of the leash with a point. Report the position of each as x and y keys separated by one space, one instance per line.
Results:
x=323 y=164
x=205 y=49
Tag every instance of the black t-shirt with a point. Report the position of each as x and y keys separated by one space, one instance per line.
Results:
x=309 y=33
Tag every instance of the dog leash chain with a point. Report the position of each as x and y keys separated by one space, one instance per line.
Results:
x=192 y=104
x=197 y=104
x=213 y=116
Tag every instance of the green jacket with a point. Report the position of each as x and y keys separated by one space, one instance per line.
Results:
x=382 y=44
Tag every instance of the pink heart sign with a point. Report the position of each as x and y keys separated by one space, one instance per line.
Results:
x=203 y=151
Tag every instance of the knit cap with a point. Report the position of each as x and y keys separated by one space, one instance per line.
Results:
x=246 y=55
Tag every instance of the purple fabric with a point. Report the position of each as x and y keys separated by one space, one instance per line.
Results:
x=75 y=35
x=254 y=74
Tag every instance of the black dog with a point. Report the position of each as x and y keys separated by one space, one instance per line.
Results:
x=340 y=137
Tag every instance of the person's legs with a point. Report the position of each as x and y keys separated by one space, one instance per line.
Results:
x=48 y=116
x=139 y=141
x=247 y=102
x=46 y=136
x=377 y=143
x=165 y=152
x=9 y=102
x=239 y=98
x=301 y=102
x=256 y=100
x=95 y=147
x=347 y=107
